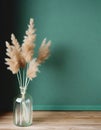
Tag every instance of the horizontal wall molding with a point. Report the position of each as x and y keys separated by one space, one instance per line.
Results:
x=67 y=107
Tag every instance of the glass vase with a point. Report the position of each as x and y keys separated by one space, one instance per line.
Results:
x=23 y=108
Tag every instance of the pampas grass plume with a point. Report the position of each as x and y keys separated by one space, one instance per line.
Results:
x=20 y=58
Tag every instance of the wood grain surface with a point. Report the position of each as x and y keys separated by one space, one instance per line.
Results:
x=56 y=120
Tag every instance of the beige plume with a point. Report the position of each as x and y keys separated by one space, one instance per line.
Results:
x=12 y=61
x=20 y=58
x=13 y=65
x=28 y=42
x=15 y=60
x=32 y=69
x=43 y=51
x=15 y=42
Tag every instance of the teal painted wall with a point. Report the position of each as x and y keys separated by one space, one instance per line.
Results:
x=71 y=77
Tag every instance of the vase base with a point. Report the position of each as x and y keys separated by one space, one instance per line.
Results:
x=23 y=125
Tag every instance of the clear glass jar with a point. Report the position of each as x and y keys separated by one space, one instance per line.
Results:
x=22 y=109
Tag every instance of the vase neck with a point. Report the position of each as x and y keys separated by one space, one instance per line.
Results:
x=23 y=90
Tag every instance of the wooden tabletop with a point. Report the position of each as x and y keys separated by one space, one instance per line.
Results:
x=56 y=120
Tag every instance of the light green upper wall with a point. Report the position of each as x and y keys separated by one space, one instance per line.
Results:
x=72 y=74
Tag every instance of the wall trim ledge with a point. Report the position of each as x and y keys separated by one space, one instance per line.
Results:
x=67 y=107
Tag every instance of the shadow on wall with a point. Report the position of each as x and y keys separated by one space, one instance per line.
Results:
x=60 y=66
x=59 y=60
x=7 y=80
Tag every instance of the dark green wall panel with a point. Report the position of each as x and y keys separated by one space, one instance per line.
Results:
x=71 y=77
x=7 y=80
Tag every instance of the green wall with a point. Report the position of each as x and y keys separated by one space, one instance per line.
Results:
x=71 y=78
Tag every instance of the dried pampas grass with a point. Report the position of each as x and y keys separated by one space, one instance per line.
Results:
x=44 y=51
x=15 y=60
x=20 y=58
x=28 y=42
x=32 y=69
